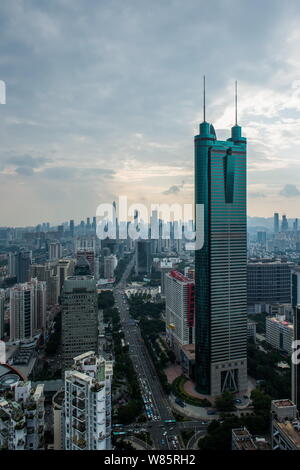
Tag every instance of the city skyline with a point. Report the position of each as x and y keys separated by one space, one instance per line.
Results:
x=117 y=116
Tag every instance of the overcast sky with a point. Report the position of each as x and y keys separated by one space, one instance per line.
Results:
x=104 y=98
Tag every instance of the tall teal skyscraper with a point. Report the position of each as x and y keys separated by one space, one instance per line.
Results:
x=220 y=265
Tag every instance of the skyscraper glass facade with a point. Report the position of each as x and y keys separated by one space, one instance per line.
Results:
x=221 y=264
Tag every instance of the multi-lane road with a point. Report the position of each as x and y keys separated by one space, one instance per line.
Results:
x=157 y=407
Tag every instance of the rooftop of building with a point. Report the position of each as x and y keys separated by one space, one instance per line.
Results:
x=282 y=403
x=268 y=262
x=281 y=322
x=180 y=277
x=243 y=439
x=189 y=350
x=288 y=428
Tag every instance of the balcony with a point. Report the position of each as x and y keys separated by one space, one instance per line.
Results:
x=4 y=432
x=79 y=416
x=81 y=443
x=78 y=404
x=79 y=426
x=31 y=406
x=20 y=425
x=96 y=387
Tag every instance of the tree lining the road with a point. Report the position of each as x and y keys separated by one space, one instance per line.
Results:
x=140 y=306
x=141 y=309
x=123 y=368
x=121 y=266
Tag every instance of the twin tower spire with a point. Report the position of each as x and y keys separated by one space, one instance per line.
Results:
x=235 y=100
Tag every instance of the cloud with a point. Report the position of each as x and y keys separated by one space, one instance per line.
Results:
x=290 y=190
x=72 y=173
x=257 y=194
x=91 y=89
x=24 y=171
x=27 y=161
x=175 y=189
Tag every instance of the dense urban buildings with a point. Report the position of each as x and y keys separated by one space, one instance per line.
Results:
x=143 y=257
x=241 y=439
x=180 y=310
x=221 y=264
x=22 y=412
x=295 y=294
x=285 y=423
x=86 y=246
x=2 y=310
x=55 y=251
x=79 y=317
x=268 y=283
x=276 y=222
x=279 y=333
x=87 y=403
x=27 y=309
x=110 y=264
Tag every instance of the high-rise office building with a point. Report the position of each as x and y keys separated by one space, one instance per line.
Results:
x=295 y=296
x=276 y=222
x=40 y=304
x=86 y=246
x=284 y=224
x=262 y=238
x=110 y=264
x=19 y=265
x=143 y=257
x=180 y=306
x=64 y=269
x=295 y=225
x=94 y=224
x=2 y=310
x=221 y=264
x=165 y=267
x=38 y=271
x=79 y=317
x=268 y=283
x=72 y=227
x=87 y=403
x=27 y=309
x=55 y=251
x=21 y=312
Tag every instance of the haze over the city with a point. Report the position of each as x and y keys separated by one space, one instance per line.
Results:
x=105 y=101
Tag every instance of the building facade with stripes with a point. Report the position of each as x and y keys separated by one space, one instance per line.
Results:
x=221 y=263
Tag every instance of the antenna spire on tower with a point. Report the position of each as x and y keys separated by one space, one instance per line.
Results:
x=203 y=98
x=235 y=103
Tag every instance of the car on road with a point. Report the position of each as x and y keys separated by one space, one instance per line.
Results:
x=237 y=400
x=180 y=402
